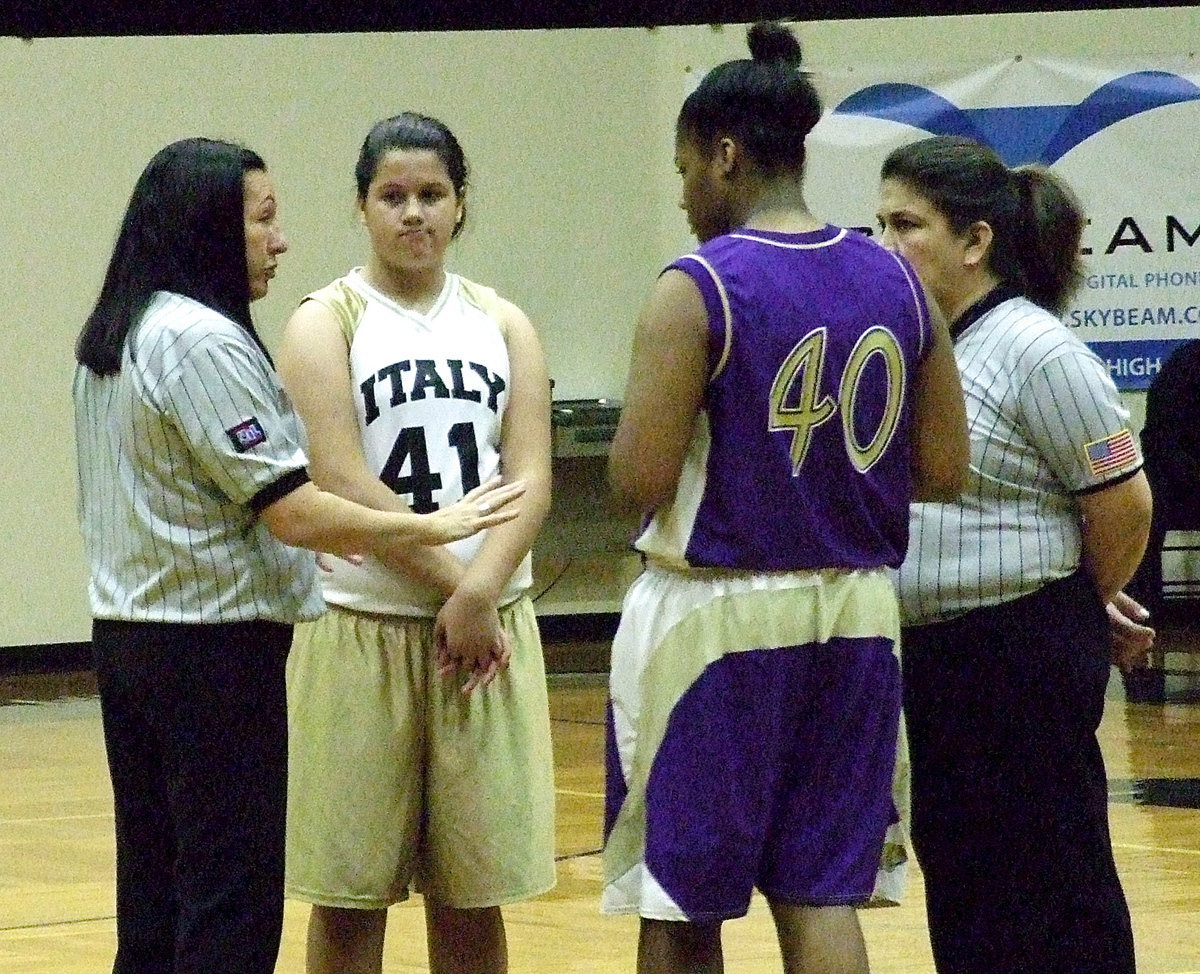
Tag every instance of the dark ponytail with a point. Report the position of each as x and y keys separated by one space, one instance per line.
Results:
x=772 y=43
x=1053 y=223
x=1037 y=221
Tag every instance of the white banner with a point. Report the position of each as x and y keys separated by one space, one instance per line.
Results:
x=1123 y=136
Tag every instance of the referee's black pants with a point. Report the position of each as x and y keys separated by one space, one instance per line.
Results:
x=195 y=726
x=1010 y=813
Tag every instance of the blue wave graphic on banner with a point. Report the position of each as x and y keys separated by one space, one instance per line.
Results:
x=1027 y=133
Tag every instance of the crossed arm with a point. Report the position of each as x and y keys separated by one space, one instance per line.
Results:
x=313 y=361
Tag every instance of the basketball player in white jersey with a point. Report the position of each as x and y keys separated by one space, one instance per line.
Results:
x=415 y=385
x=192 y=489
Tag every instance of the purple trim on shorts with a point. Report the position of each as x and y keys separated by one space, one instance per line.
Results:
x=615 y=789
x=776 y=772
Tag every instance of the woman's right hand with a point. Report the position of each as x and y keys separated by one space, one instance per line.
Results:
x=489 y=504
x=1132 y=639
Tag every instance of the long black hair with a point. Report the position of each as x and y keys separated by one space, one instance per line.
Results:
x=766 y=103
x=1037 y=221
x=184 y=231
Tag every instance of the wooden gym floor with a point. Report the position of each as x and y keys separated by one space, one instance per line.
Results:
x=56 y=876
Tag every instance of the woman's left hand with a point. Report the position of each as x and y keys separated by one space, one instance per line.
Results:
x=486 y=506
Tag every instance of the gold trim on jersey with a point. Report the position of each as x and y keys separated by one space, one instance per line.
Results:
x=345 y=304
x=486 y=300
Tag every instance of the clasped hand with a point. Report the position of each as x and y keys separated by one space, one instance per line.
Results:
x=1131 y=638
x=468 y=639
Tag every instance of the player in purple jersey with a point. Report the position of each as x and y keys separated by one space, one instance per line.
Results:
x=790 y=393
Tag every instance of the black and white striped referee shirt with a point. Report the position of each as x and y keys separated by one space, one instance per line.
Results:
x=1046 y=424
x=177 y=453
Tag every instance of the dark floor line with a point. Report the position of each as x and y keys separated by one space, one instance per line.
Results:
x=576 y=720
x=578 y=855
x=55 y=923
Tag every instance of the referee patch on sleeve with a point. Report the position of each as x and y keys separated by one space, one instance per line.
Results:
x=1111 y=453
x=246 y=435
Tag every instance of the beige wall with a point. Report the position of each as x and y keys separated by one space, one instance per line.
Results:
x=572 y=209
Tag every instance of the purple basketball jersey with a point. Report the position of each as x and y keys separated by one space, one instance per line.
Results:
x=802 y=457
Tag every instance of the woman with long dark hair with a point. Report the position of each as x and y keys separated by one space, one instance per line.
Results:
x=193 y=492
x=1007 y=642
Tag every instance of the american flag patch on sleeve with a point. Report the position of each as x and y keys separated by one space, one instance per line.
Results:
x=1111 y=453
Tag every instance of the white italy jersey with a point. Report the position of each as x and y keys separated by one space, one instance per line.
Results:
x=430 y=391
x=1046 y=424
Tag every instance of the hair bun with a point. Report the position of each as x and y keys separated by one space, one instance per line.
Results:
x=772 y=43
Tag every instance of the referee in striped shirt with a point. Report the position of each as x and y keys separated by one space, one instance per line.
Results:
x=192 y=492
x=1007 y=643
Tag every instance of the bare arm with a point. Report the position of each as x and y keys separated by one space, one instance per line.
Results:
x=940 y=445
x=663 y=395
x=1115 y=526
x=468 y=627
x=524 y=456
x=309 y=517
x=313 y=362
